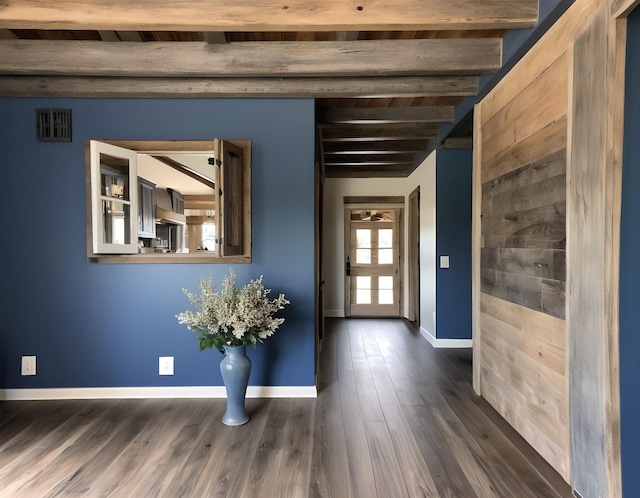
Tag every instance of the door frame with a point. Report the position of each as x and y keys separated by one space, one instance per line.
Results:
x=413 y=256
x=373 y=202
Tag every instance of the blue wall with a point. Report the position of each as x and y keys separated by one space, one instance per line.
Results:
x=453 y=238
x=630 y=269
x=99 y=325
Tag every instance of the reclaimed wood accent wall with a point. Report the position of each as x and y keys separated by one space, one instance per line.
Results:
x=524 y=235
x=522 y=243
x=547 y=161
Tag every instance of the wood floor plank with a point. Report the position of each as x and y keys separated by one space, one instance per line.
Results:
x=329 y=465
x=186 y=478
x=80 y=482
x=230 y=476
x=499 y=454
x=85 y=447
x=469 y=456
x=22 y=420
x=415 y=470
x=503 y=431
x=10 y=409
x=295 y=470
x=443 y=465
x=272 y=437
x=34 y=432
x=393 y=417
x=126 y=471
x=386 y=468
x=387 y=393
x=32 y=463
x=359 y=458
x=206 y=483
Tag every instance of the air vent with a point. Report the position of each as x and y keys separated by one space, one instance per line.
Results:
x=53 y=125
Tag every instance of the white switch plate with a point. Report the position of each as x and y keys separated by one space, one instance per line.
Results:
x=28 y=365
x=444 y=261
x=165 y=365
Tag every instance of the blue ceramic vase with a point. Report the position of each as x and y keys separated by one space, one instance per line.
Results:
x=235 y=368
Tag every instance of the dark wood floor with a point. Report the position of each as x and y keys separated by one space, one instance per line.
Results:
x=394 y=418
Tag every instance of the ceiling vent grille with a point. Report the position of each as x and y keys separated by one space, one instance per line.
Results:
x=53 y=125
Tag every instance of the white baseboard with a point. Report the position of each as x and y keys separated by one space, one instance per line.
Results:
x=445 y=343
x=334 y=313
x=155 y=392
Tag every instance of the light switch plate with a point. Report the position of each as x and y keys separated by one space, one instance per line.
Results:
x=444 y=261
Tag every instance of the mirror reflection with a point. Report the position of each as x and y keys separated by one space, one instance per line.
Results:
x=177 y=203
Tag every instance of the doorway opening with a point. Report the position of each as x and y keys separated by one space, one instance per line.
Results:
x=373 y=255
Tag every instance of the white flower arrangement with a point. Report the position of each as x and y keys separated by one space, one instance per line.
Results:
x=235 y=316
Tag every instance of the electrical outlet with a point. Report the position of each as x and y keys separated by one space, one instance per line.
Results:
x=166 y=365
x=28 y=365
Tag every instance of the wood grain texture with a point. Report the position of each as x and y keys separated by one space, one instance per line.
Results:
x=218 y=15
x=545 y=141
x=476 y=245
x=546 y=93
x=387 y=115
x=622 y=8
x=523 y=257
x=447 y=442
x=343 y=87
x=614 y=119
x=524 y=374
x=463 y=56
x=557 y=41
x=594 y=214
x=376 y=133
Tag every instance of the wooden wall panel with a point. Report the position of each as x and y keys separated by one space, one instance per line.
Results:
x=547 y=94
x=555 y=381
x=524 y=235
x=523 y=370
x=546 y=140
x=593 y=238
x=521 y=178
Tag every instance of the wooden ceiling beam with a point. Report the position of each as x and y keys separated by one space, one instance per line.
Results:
x=366 y=164
x=393 y=171
x=374 y=135
x=382 y=159
x=268 y=15
x=465 y=56
x=352 y=87
x=383 y=115
x=371 y=148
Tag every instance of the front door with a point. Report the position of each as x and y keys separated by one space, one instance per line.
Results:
x=372 y=285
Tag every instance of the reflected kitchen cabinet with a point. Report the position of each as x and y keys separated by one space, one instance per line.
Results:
x=146 y=208
x=177 y=201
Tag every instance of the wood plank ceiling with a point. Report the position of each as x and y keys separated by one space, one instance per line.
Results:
x=385 y=75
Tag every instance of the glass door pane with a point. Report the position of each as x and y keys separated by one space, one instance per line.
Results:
x=363 y=290
x=385 y=290
x=363 y=246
